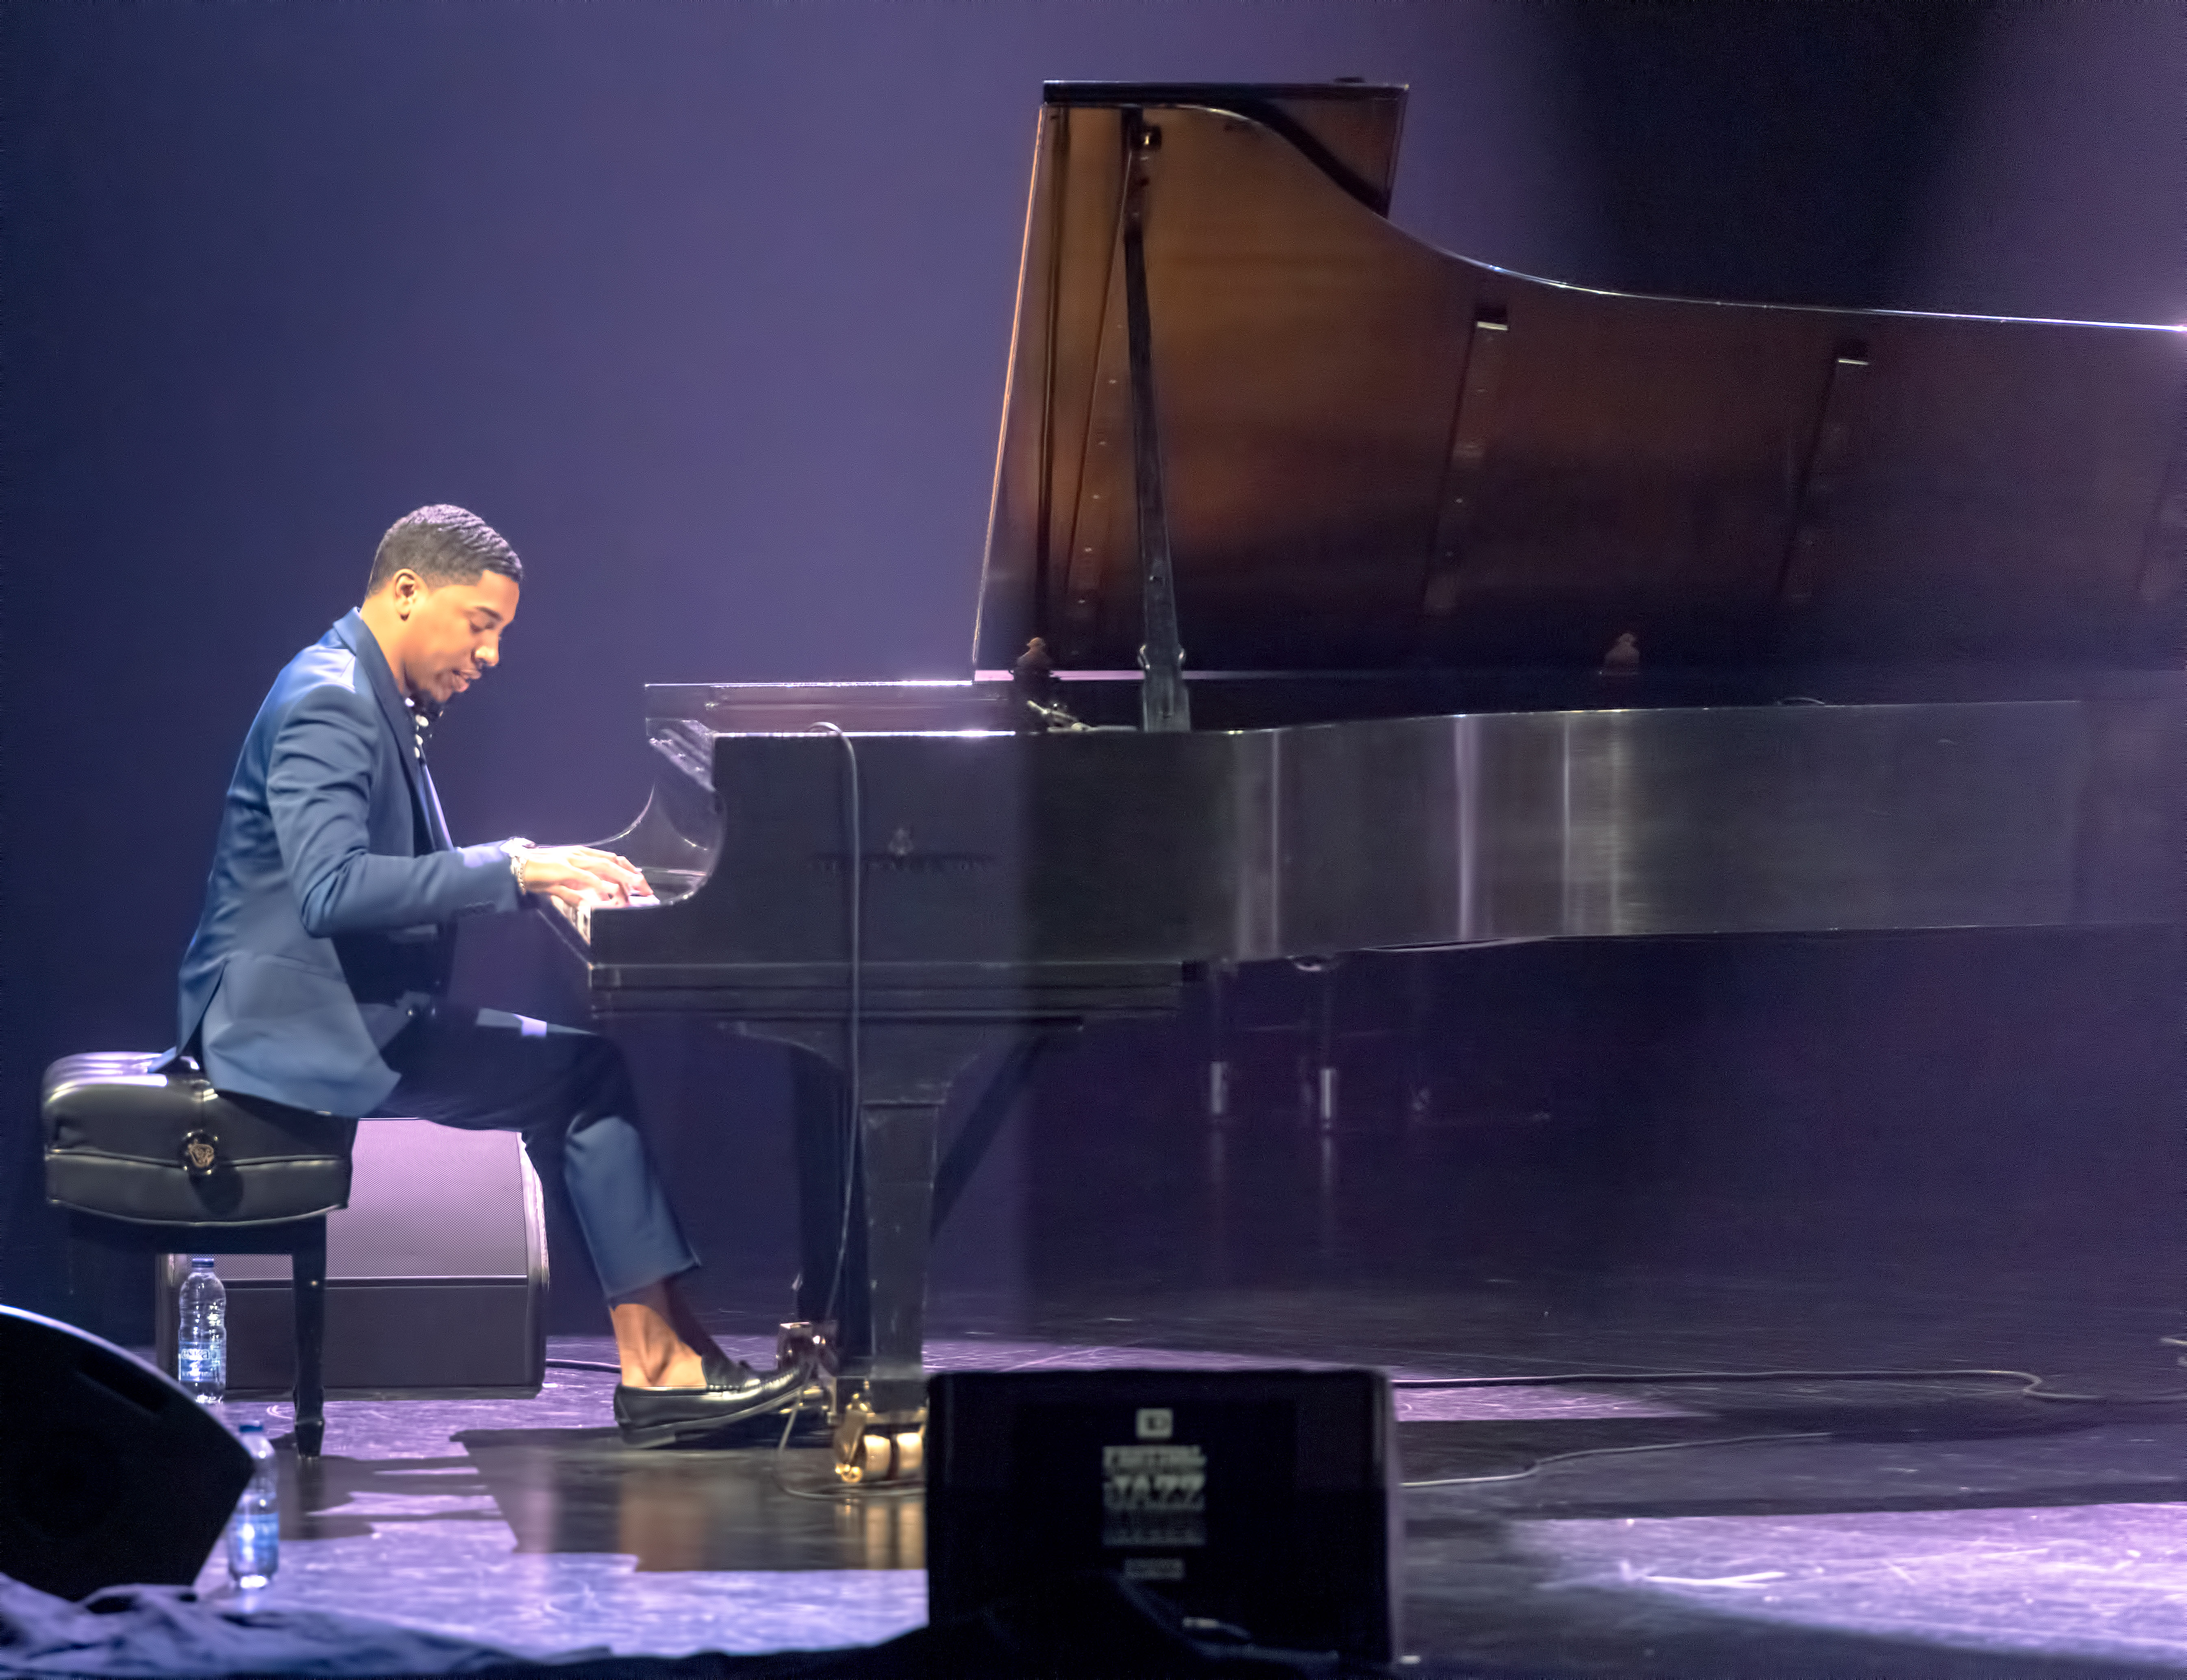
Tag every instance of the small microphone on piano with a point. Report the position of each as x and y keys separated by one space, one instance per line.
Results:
x=1034 y=677
x=1034 y=673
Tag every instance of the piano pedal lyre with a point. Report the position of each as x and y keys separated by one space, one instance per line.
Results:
x=812 y=1345
x=878 y=1448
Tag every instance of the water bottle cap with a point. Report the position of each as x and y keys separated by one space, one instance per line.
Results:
x=204 y=1260
x=250 y=1429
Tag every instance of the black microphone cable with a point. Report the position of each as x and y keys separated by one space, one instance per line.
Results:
x=853 y=1014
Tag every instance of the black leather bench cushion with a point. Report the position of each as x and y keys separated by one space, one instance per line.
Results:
x=144 y=1137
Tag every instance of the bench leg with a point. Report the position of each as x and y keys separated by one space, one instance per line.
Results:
x=308 y=1296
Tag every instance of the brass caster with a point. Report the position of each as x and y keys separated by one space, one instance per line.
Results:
x=872 y=1449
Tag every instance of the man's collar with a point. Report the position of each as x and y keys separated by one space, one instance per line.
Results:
x=354 y=633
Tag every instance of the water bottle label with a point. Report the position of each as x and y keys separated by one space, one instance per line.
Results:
x=202 y=1369
x=199 y=1360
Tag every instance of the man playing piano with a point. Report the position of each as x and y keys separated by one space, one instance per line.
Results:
x=316 y=976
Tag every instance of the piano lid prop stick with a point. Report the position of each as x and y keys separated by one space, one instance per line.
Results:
x=1163 y=703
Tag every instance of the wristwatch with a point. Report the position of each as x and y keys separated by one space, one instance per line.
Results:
x=518 y=851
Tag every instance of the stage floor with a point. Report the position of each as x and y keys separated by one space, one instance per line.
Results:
x=1802 y=1527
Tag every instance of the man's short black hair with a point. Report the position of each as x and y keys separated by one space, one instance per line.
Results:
x=442 y=545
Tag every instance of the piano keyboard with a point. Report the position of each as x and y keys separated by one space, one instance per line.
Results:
x=580 y=916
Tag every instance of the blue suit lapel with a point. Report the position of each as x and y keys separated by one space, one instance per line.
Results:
x=353 y=633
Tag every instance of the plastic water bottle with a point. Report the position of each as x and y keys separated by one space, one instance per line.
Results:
x=254 y=1532
x=201 y=1333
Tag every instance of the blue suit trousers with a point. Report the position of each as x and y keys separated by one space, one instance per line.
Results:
x=569 y=1094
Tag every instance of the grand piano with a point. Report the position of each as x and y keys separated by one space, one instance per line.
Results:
x=1341 y=594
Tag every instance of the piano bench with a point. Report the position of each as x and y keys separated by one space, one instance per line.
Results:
x=147 y=1157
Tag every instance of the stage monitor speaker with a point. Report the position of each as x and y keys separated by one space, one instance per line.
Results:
x=108 y=1471
x=1267 y=1500
x=436 y=1276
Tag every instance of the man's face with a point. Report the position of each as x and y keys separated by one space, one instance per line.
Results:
x=452 y=635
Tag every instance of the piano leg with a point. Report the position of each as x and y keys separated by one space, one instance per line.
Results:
x=896 y=1171
x=1325 y=1073
x=1219 y=976
x=878 y=1300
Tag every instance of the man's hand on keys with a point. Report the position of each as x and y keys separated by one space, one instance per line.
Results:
x=583 y=875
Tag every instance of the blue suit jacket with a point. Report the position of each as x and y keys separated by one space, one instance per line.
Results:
x=326 y=916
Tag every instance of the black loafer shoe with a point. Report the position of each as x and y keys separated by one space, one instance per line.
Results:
x=670 y=1417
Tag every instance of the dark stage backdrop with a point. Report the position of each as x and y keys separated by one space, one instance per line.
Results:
x=706 y=307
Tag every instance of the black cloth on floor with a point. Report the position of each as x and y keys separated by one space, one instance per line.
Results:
x=1081 y=1627
x=170 y=1630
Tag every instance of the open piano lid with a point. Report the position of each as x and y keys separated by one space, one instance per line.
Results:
x=1377 y=455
